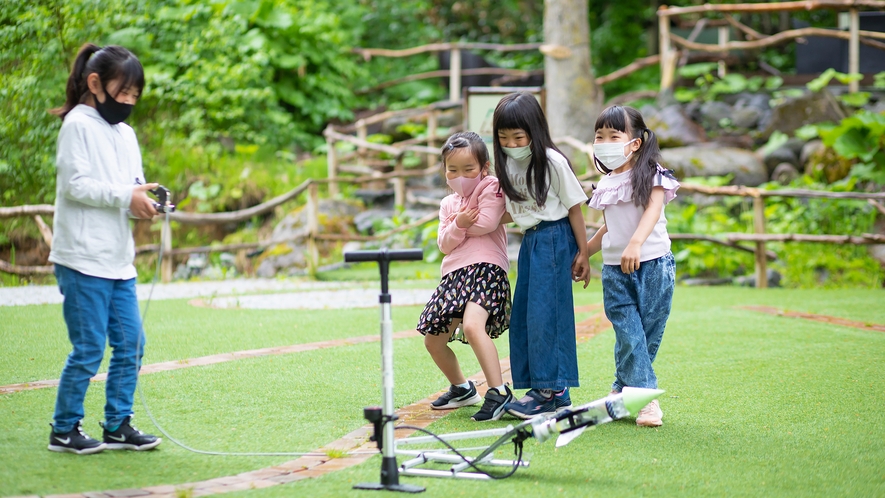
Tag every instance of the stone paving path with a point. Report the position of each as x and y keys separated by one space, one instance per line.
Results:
x=356 y=444
x=217 y=358
x=818 y=318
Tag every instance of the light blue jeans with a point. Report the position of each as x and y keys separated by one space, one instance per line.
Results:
x=638 y=306
x=543 y=354
x=98 y=311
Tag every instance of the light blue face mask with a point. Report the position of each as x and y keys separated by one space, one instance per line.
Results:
x=518 y=153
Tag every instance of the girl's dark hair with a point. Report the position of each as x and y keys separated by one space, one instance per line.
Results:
x=109 y=63
x=521 y=111
x=471 y=141
x=629 y=121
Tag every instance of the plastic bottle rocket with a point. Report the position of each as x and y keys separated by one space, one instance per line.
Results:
x=569 y=424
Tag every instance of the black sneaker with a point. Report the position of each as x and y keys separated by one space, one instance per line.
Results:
x=532 y=404
x=74 y=441
x=457 y=397
x=493 y=407
x=127 y=437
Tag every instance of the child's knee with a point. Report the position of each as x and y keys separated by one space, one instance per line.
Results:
x=474 y=331
x=435 y=343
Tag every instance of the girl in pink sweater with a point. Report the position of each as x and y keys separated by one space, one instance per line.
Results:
x=474 y=291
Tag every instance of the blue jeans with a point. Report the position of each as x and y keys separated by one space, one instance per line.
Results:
x=638 y=306
x=543 y=354
x=98 y=311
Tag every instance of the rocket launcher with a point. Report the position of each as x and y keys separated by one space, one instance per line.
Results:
x=569 y=424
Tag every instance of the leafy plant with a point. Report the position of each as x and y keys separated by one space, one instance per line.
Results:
x=859 y=137
x=708 y=87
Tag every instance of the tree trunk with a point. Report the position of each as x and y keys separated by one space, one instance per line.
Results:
x=573 y=98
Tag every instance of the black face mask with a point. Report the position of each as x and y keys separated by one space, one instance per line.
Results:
x=112 y=111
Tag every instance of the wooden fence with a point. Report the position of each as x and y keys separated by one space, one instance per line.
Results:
x=670 y=54
x=734 y=240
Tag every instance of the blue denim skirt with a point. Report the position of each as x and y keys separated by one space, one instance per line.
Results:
x=543 y=354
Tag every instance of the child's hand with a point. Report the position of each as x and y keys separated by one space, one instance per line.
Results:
x=630 y=258
x=467 y=217
x=141 y=206
x=581 y=269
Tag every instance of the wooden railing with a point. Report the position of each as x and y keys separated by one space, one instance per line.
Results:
x=734 y=240
x=670 y=54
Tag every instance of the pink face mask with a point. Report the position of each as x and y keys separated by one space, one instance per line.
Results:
x=464 y=186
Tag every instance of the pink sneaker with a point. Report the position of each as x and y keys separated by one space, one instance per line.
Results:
x=651 y=415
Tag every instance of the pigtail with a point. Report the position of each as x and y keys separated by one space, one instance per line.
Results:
x=76 y=86
x=646 y=167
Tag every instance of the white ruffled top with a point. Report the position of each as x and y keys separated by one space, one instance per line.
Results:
x=614 y=197
x=613 y=189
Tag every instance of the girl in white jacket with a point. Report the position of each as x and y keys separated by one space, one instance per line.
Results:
x=99 y=166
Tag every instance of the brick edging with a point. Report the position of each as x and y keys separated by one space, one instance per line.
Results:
x=418 y=414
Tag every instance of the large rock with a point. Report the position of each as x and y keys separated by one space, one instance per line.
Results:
x=287 y=247
x=715 y=114
x=813 y=107
x=746 y=117
x=815 y=146
x=747 y=168
x=782 y=154
x=673 y=127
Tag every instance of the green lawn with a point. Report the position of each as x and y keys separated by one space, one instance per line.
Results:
x=755 y=404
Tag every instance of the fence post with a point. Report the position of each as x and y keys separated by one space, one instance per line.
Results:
x=665 y=50
x=455 y=74
x=166 y=264
x=759 y=228
x=853 y=48
x=431 y=136
x=362 y=133
x=313 y=225
x=723 y=40
x=332 y=165
x=45 y=230
x=399 y=183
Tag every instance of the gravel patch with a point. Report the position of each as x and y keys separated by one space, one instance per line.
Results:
x=275 y=294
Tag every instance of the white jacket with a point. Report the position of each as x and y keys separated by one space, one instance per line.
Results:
x=97 y=166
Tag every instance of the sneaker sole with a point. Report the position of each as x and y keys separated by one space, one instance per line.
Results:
x=491 y=419
x=133 y=447
x=650 y=423
x=473 y=400
x=523 y=416
x=84 y=451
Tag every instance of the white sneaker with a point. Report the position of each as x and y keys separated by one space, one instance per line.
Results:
x=651 y=415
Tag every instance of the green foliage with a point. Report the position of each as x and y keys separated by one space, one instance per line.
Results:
x=823 y=265
x=703 y=259
x=802 y=265
x=708 y=87
x=37 y=42
x=219 y=75
x=853 y=99
x=777 y=139
x=618 y=35
x=819 y=83
x=859 y=137
x=879 y=81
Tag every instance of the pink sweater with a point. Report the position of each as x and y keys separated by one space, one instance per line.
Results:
x=483 y=242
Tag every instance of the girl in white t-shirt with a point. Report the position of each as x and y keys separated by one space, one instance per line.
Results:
x=638 y=274
x=544 y=197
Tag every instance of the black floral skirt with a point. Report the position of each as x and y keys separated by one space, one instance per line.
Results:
x=482 y=283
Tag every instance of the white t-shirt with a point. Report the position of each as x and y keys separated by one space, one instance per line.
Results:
x=564 y=192
x=614 y=196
